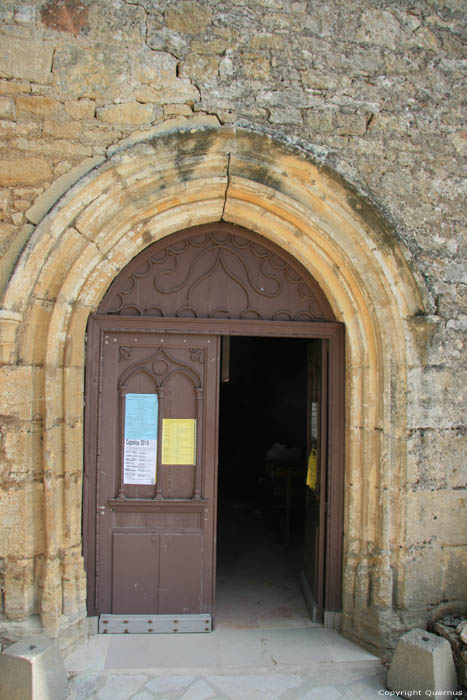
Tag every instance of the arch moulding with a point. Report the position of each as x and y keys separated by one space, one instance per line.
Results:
x=151 y=190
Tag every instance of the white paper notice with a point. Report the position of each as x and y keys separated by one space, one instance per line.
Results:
x=140 y=461
x=140 y=442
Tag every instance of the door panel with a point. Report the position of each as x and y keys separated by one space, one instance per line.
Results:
x=154 y=544
x=181 y=573
x=127 y=551
x=315 y=508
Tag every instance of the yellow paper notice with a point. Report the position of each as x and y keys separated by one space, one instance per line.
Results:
x=312 y=473
x=178 y=440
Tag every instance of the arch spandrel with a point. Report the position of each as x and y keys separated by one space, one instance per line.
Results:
x=196 y=178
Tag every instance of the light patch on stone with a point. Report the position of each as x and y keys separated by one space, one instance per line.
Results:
x=200 y=690
x=188 y=18
x=129 y=113
x=24 y=171
x=120 y=686
x=26 y=60
x=258 y=686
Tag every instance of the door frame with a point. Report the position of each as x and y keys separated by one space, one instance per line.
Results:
x=333 y=332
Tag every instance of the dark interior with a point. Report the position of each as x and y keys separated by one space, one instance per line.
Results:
x=262 y=443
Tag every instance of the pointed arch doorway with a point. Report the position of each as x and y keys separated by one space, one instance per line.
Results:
x=154 y=361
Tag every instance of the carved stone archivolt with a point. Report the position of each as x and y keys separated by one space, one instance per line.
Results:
x=216 y=271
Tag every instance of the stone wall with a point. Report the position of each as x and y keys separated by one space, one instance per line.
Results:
x=369 y=90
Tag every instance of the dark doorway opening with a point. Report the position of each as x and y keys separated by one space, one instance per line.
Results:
x=265 y=437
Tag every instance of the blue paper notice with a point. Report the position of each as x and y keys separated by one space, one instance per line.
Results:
x=141 y=416
x=140 y=442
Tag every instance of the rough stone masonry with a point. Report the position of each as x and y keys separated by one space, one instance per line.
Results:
x=372 y=90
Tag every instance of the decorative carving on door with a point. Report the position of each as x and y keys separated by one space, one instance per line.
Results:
x=162 y=368
x=150 y=547
x=153 y=546
x=216 y=271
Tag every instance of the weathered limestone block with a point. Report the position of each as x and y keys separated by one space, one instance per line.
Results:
x=32 y=346
x=188 y=18
x=124 y=22
x=422 y=661
x=285 y=116
x=429 y=451
x=22 y=526
x=12 y=87
x=73 y=484
x=26 y=60
x=429 y=517
x=424 y=575
x=380 y=27
x=153 y=67
x=129 y=113
x=37 y=105
x=164 y=39
x=266 y=41
x=73 y=378
x=459 y=140
x=51 y=596
x=22 y=447
x=210 y=47
x=21 y=392
x=456 y=565
x=9 y=323
x=9 y=257
x=198 y=68
x=180 y=110
x=59 y=148
x=81 y=109
x=74 y=582
x=177 y=91
x=256 y=67
x=351 y=124
x=32 y=669
x=98 y=72
x=19 y=590
x=461 y=630
x=437 y=399
x=6 y=107
x=46 y=200
x=75 y=344
x=62 y=129
x=24 y=171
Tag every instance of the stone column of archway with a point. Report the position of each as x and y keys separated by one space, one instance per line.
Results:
x=183 y=179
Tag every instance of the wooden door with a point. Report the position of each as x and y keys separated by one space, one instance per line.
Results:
x=316 y=498
x=152 y=507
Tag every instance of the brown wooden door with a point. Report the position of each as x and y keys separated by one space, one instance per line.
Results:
x=316 y=500
x=154 y=543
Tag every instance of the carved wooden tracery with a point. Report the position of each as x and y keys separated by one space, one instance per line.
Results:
x=161 y=367
x=216 y=271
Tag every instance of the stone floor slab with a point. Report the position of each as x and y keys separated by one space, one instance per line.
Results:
x=162 y=651
x=121 y=687
x=199 y=690
x=342 y=649
x=169 y=685
x=264 y=686
x=324 y=692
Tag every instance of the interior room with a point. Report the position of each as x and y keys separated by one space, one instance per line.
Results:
x=263 y=444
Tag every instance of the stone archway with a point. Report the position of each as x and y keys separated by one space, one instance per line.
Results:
x=156 y=188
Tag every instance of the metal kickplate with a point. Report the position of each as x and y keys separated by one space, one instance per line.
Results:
x=154 y=624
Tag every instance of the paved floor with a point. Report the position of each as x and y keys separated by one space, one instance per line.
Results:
x=264 y=645
x=306 y=663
